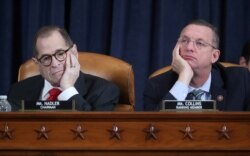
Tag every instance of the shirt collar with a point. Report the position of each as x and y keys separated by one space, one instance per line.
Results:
x=46 y=88
x=205 y=87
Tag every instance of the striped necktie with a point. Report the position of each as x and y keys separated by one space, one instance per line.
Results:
x=195 y=94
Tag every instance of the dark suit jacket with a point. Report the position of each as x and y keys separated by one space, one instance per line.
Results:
x=95 y=94
x=230 y=87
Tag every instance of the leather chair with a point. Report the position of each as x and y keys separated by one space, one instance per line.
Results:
x=167 y=68
x=110 y=68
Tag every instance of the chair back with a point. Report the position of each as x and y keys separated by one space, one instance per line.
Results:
x=167 y=68
x=107 y=67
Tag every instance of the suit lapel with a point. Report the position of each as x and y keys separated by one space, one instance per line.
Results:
x=217 y=90
x=35 y=91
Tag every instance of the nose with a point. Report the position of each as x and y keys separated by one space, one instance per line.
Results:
x=54 y=61
x=190 y=45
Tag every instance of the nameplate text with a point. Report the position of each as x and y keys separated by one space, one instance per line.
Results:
x=48 y=105
x=188 y=105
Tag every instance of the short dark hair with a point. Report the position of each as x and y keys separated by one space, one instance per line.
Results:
x=216 y=38
x=246 y=51
x=47 y=31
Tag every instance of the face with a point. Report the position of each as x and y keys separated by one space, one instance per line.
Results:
x=197 y=48
x=48 y=46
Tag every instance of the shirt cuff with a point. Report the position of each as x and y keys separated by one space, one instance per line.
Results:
x=179 y=91
x=67 y=94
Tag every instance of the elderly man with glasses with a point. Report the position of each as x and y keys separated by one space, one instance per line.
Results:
x=61 y=79
x=196 y=75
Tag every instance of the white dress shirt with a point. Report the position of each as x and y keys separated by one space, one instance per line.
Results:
x=65 y=95
x=180 y=90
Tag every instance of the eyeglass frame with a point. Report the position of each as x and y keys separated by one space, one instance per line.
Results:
x=55 y=54
x=200 y=42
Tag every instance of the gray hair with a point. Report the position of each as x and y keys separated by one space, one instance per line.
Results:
x=216 y=39
x=47 y=31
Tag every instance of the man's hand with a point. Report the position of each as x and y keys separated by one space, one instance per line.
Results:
x=181 y=67
x=71 y=73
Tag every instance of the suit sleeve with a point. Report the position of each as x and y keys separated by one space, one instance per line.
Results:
x=102 y=98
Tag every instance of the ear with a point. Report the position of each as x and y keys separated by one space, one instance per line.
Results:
x=35 y=60
x=242 y=61
x=215 y=55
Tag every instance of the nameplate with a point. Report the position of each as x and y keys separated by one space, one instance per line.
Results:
x=48 y=105
x=188 y=105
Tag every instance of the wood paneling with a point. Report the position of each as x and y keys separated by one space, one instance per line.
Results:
x=18 y=131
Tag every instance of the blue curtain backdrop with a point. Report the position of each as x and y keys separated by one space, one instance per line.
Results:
x=141 y=32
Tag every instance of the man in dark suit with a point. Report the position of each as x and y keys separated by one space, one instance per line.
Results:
x=195 y=68
x=56 y=57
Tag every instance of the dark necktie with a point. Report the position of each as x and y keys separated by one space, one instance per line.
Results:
x=53 y=93
x=195 y=95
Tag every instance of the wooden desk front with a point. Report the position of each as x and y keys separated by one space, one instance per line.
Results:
x=125 y=133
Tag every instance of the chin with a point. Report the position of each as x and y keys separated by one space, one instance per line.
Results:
x=190 y=62
x=55 y=80
x=55 y=84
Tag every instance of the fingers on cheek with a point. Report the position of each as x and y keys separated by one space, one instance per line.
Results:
x=74 y=60
x=68 y=59
x=78 y=67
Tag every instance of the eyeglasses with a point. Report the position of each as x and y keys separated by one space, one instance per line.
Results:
x=60 y=55
x=199 y=44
